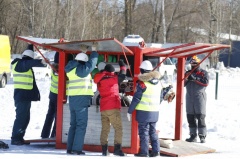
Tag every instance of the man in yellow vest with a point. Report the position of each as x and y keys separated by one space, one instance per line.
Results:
x=80 y=93
x=25 y=91
x=146 y=101
x=52 y=107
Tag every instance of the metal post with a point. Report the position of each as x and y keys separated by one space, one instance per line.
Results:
x=216 y=87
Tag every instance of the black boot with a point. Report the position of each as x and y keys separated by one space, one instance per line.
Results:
x=193 y=138
x=118 y=150
x=105 y=150
x=202 y=138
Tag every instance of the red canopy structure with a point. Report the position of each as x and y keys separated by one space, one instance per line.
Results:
x=112 y=46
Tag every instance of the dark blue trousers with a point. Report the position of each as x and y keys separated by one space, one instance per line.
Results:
x=22 y=119
x=50 y=117
x=147 y=130
x=78 y=106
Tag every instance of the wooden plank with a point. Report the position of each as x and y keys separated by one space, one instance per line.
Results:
x=40 y=140
x=183 y=148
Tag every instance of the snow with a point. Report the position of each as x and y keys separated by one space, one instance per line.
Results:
x=223 y=123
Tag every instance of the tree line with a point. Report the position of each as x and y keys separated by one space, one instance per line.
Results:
x=157 y=21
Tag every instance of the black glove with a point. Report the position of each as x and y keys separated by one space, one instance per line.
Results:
x=192 y=77
x=121 y=63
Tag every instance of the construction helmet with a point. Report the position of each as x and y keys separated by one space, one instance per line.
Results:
x=146 y=65
x=28 y=53
x=195 y=59
x=82 y=57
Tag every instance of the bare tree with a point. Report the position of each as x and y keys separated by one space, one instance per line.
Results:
x=129 y=6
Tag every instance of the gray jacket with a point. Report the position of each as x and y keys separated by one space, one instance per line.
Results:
x=196 y=96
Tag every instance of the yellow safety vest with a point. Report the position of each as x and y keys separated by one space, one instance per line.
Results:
x=22 y=80
x=54 y=83
x=78 y=85
x=151 y=98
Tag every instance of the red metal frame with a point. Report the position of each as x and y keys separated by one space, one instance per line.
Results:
x=180 y=52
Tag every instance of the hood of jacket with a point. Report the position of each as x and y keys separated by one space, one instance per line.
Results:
x=152 y=77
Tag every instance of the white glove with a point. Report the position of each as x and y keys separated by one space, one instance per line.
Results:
x=94 y=46
x=83 y=48
x=129 y=116
x=45 y=62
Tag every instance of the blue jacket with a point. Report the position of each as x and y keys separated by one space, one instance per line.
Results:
x=24 y=65
x=144 y=116
x=83 y=70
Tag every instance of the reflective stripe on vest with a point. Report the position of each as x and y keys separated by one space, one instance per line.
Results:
x=78 y=85
x=151 y=98
x=22 y=80
x=54 y=83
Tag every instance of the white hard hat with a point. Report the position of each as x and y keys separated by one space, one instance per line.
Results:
x=82 y=57
x=28 y=53
x=101 y=66
x=146 y=65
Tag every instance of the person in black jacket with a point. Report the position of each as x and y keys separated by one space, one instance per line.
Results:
x=25 y=91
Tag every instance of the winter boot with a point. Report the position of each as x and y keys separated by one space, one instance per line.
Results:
x=202 y=138
x=193 y=138
x=118 y=150
x=105 y=150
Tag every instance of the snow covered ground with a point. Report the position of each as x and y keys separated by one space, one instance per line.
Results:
x=223 y=123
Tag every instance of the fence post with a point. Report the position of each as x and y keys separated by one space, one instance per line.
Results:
x=216 y=87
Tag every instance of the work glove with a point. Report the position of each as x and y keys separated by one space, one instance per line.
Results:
x=129 y=116
x=94 y=46
x=45 y=61
x=121 y=63
x=168 y=93
x=193 y=77
x=83 y=48
x=55 y=66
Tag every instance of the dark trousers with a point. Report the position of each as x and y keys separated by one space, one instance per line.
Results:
x=78 y=106
x=50 y=117
x=145 y=131
x=197 y=122
x=22 y=119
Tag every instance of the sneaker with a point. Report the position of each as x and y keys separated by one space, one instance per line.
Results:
x=193 y=138
x=140 y=155
x=154 y=154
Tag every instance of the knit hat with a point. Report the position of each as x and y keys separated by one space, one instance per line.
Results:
x=195 y=59
x=109 y=68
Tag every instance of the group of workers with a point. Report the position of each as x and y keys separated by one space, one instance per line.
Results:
x=146 y=101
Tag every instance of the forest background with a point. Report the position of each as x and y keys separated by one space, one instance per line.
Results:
x=157 y=21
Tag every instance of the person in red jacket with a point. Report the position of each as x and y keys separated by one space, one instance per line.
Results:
x=110 y=104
